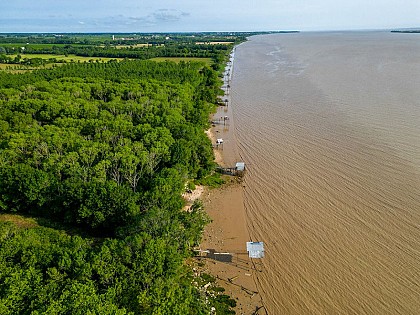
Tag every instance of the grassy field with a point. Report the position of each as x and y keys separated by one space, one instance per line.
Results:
x=207 y=61
x=213 y=43
x=20 y=221
x=37 y=46
x=132 y=46
x=27 y=222
x=15 y=68
x=68 y=58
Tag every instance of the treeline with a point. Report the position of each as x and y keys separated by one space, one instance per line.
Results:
x=215 y=52
x=203 y=79
x=192 y=45
x=183 y=50
x=106 y=148
x=45 y=271
x=123 y=39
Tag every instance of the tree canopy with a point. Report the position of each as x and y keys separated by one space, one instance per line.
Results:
x=107 y=149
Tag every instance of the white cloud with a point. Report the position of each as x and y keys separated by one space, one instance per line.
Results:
x=200 y=15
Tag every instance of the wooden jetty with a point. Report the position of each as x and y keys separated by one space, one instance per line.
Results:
x=237 y=170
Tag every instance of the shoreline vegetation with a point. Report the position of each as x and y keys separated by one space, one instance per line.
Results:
x=94 y=160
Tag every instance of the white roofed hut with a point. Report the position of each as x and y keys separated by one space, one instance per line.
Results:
x=255 y=249
x=240 y=168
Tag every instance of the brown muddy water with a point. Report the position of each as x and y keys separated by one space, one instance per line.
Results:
x=329 y=126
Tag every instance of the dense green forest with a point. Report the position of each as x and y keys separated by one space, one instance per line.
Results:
x=99 y=154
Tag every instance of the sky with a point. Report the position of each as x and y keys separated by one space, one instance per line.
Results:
x=57 y=16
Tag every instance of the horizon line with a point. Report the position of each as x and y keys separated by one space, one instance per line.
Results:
x=225 y=32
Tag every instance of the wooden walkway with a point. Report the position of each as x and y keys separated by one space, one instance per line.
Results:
x=229 y=171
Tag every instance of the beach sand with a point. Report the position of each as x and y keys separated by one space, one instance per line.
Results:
x=228 y=232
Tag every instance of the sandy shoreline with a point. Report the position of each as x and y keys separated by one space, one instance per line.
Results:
x=228 y=233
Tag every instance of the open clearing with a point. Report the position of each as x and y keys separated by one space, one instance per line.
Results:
x=20 y=221
x=68 y=58
x=207 y=61
x=17 y=68
x=213 y=43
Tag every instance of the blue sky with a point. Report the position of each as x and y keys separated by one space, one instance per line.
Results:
x=210 y=15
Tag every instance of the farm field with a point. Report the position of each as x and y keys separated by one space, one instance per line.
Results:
x=132 y=46
x=68 y=58
x=213 y=43
x=207 y=61
x=16 y=68
x=38 y=45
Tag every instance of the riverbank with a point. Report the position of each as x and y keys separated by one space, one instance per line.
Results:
x=227 y=234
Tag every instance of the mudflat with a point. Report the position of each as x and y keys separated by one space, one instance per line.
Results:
x=226 y=236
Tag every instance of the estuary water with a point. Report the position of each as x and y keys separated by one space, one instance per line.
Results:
x=329 y=127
